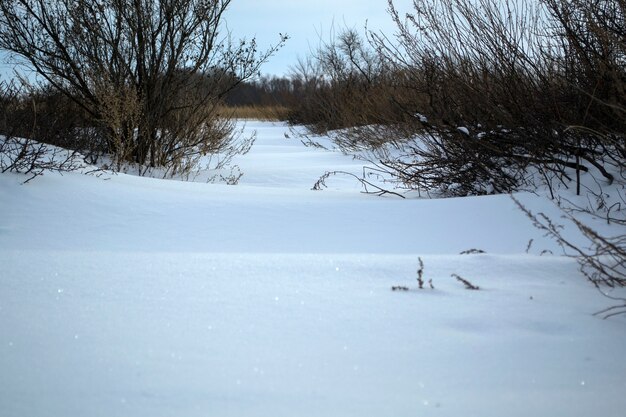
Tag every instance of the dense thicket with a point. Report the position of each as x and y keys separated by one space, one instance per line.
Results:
x=512 y=85
x=266 y=91
x=494 y=88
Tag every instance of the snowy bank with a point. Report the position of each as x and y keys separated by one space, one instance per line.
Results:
x=129 y=296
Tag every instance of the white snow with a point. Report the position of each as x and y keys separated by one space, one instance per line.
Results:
x=421 y=117
x=463 y=130
x=130 y=296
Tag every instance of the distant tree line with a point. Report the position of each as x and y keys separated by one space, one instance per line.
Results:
x=266 y=91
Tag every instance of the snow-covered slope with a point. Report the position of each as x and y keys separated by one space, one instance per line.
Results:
x=128 y=296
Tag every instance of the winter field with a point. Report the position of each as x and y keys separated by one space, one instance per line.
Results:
x=131 y=296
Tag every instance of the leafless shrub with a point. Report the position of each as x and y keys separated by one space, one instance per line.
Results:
x=603 y=261
x=503 y=91
x=33 y=159
x=148 y=75
x=18 y=152
x=477 y=97
x=496 y=97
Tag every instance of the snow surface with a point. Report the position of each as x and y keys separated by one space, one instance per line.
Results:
x=129 y=296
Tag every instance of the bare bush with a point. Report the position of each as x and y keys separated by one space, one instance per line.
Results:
x=19 y=153
x=603 y=259
x=149 y=75
x=477 y=97
x=496 y=97
x=33 y=158
x=518 y=89
x=501 y=97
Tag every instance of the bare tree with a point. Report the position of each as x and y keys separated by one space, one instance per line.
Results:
x=151 y=72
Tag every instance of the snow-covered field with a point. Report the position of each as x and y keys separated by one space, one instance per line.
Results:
x=129 y=296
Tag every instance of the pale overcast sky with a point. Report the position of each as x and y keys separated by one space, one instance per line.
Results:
x=304 y=21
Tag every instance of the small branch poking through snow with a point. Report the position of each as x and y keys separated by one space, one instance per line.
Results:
x=420 y=280
x=468 y=285
x=472 y=252
x=420 y=272
x=530 y=244
x=368 y=187
x=612 y=311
